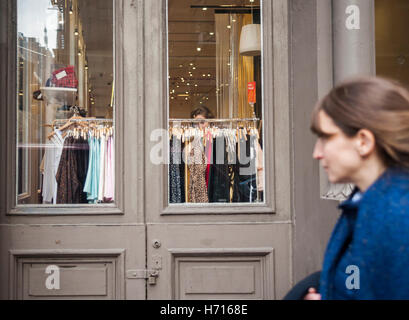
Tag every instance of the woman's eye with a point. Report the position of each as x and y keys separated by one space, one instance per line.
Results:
x=323 y=137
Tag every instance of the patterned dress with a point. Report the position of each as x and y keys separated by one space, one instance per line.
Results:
x=197 y=169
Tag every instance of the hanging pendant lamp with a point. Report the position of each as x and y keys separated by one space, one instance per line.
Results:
x=250 y=41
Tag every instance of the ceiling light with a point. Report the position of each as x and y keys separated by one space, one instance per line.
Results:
x=204 y=9
x=76 y=32
x=194 y=68
x=199 y=49
x=229 y=27
x=211 y=33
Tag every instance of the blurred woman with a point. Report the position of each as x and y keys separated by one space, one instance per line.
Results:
x=363 y=138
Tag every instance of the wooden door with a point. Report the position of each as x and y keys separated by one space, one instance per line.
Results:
x=95 y=251
x=209 y=251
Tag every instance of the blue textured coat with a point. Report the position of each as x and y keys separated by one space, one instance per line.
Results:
x=372 y=234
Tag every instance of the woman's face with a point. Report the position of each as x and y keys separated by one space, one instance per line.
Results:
x=201 y=124
x=337 y=153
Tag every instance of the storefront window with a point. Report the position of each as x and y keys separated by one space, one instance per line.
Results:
x=392 y=45
x=215 y=102
x=65 y=102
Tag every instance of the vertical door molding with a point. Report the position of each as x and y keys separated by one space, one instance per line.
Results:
x=353 y=55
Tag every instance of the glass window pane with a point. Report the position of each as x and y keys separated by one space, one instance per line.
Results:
x=392 y=45
x=215 y=102
x=65 y=102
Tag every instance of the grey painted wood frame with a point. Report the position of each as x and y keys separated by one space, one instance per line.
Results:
x=9 y=121
x=275 y=113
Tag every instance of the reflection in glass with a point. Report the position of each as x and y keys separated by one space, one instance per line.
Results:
x=65 y=102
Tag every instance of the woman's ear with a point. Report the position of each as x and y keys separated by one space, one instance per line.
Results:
x=365 y=142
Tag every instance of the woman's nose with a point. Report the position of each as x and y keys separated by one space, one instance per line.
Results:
x=317 y=153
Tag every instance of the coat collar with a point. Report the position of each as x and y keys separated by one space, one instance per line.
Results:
x=345 y=225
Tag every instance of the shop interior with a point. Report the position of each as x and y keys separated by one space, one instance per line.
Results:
x=65 y=83
x=215 y=81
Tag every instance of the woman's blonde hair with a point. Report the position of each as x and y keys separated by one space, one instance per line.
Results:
x=376 y=104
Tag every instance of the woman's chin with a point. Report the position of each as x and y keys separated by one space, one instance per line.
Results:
x=334 y=179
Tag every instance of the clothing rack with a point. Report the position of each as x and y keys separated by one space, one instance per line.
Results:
x=215 y=120
x=85 y=119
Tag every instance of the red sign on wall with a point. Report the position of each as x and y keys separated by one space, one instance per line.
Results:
x=251 y=92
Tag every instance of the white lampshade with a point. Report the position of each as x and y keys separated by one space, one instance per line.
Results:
x=250 y=41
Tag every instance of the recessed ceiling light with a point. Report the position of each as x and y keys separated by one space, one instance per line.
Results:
x=194 y=68
x=199 y=49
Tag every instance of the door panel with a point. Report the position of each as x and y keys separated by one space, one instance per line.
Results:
x=92 y=261
x=219 y=261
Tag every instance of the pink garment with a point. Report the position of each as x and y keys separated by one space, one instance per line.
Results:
x=208 y=156
x=109 y=171
x=260 y=167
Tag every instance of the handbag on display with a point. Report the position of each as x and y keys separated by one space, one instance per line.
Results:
x=65 y=78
